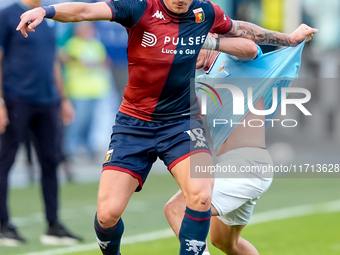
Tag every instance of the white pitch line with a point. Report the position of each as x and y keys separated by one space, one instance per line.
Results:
x=336 y=246
x=156 y=235
x=296 y=211
x=280 y=214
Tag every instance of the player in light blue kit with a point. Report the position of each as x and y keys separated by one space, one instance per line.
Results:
x=241 y=145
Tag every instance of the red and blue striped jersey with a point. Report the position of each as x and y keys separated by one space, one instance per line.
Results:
x=162 y=52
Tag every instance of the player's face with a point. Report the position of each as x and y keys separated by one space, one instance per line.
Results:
x=178 y=6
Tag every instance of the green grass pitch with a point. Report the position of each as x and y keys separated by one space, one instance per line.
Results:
x=312 y=234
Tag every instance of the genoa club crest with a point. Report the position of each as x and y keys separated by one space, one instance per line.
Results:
x=108 y=156
x=200 y=16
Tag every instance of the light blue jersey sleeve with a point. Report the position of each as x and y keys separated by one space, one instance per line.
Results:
x=274 y=69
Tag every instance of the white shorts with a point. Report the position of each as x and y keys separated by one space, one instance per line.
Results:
x=235 y=198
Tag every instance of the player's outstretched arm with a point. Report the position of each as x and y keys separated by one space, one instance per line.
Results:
x=267 y=37
x=65 y=12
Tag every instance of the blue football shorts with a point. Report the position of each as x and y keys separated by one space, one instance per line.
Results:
x=136 y=144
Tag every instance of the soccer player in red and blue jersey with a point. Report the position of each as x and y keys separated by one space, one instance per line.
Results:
x=158 y=117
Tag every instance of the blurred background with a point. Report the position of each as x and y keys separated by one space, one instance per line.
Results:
x=314 y=141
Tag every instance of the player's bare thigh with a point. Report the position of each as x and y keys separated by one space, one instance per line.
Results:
x=222 y=234
x=115 y=191
x=227 y=238
x=197 y=191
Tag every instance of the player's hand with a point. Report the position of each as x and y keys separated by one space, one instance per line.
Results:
x=301 y=33
x=31 y=19
x=67 y=112
x=3 y=118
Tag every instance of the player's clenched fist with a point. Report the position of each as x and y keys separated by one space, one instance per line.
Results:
x=31 y=19
x=301 y=33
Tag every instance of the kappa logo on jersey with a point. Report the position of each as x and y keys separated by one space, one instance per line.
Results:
x=103 y=244
x=195 y=246
x=200 y=16
x=148 y=40
x=158 y=15
x=197 y=136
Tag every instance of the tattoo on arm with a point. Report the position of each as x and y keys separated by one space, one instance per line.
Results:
x=258 y=34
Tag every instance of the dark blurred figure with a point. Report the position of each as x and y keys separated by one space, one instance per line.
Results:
x=31 y=100
x=265 y=13
x=64 y=165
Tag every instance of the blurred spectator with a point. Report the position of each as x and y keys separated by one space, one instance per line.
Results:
x=87 y=82
x=249 y=11
x=265 y=13
x=31 y=98
x=326 y=17
x=272 y=14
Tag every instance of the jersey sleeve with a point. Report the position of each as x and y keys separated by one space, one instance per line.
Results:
x=127 y=12
x=222 y=23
